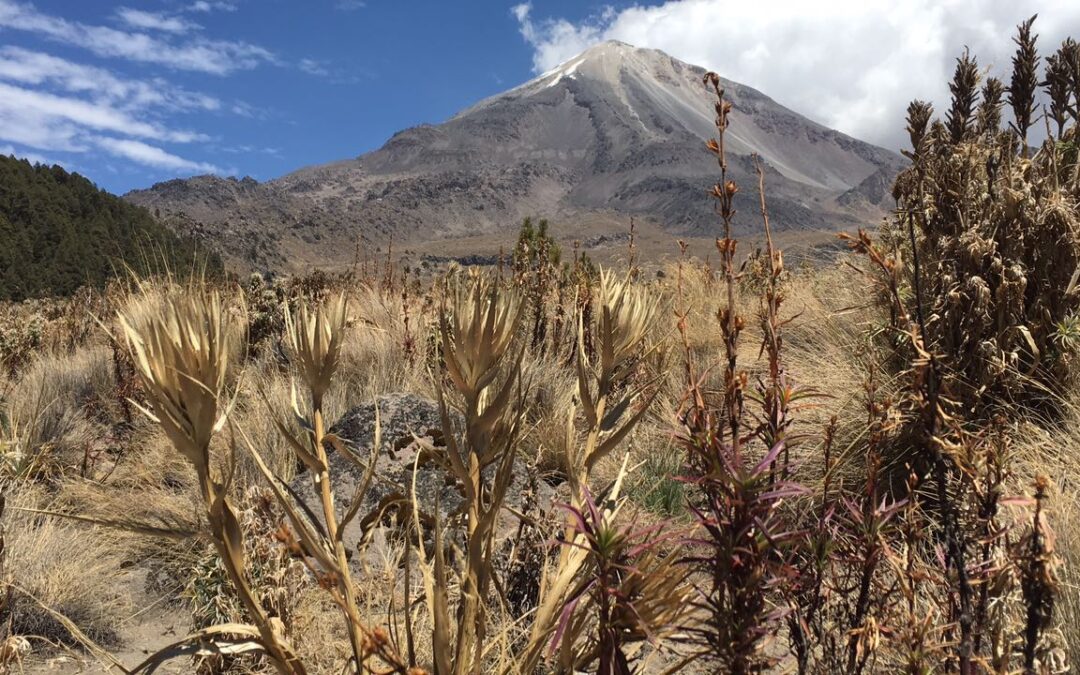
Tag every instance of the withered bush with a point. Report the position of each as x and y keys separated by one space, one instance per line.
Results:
x=995 y=233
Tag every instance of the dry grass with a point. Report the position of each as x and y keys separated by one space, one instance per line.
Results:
x=51 y=412
x=828 y=347
x=1047 y=448
x=72 y=570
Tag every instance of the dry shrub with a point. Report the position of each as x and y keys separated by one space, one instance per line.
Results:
x=21 y=336
x=71 y=569
x=181 y=348
x=46 y=326
x=995 y=231
x=275 y=575
x=47 y=415
x=982 y=315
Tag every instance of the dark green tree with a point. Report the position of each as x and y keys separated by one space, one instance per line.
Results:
x=59 y=231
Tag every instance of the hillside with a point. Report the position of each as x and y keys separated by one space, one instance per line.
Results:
x=58 y=232
x=614 y=132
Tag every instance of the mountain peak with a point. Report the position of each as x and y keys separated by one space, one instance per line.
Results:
x=617 y=129
x=608 y=51
x=608 y=47
x=602 y=62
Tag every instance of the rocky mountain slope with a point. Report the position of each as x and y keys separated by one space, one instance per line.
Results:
x=616 y=131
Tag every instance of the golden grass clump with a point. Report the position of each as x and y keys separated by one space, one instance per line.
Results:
x=49 y=414
x=58 y=568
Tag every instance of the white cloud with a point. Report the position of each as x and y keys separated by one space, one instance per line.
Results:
x=313 y=67
x=150 y=155
x=50 y=104
x=38 y=68
x=142 y=20
x=851 y=64
x=93 y=101
x=207 y=6
x=333 y=74
x=218 y=57
x=27 y=127
x=250 y=150
x=556 y=40
x=350 y=5
x=49 y=107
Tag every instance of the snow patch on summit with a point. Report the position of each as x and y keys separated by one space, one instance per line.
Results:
x=566 y=70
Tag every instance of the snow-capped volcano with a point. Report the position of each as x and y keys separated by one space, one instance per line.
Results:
x=615 y=130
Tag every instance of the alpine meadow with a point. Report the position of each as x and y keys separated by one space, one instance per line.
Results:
x=628 y=369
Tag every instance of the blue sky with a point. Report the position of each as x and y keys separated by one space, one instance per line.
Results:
x=133 y=92
x=136 y=92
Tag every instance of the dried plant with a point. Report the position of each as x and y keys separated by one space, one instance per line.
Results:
x=1025 y=81
x=314 y=339
x=181 y=356
x=605 y=391
x=612 y=406
x=1070 y=57
x=1038 y=579
x=776 y=394
x=1059 y=87
x=988 y=120
x=964 y=88
x=314 y=336
x=478 y=328
x=731 y=323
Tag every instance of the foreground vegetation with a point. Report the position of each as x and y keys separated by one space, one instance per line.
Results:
x=734 y=467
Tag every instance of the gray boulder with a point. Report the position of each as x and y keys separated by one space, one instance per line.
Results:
x=403 y=418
